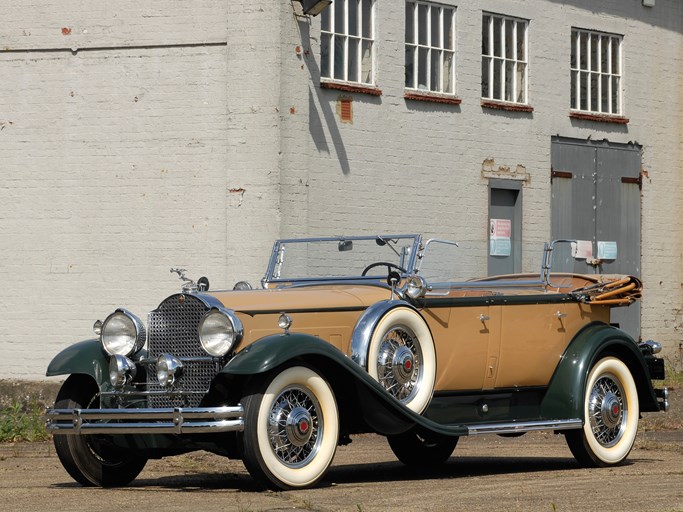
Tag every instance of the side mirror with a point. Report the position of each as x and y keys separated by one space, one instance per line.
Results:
x=203 y=284
x=345 y=245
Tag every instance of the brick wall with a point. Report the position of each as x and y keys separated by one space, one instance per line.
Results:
x=194 y=133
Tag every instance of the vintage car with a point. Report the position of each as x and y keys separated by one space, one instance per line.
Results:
x=351 y=335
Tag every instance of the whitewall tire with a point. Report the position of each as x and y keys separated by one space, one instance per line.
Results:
x=291 y=428
x=611 y=414
x=402 y=359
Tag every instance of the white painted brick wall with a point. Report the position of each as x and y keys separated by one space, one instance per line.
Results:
x=120 y=163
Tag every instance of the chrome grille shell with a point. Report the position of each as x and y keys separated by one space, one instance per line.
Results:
x=173 y=330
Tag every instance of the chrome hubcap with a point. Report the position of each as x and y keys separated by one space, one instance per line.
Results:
x=295 y=427
x=607 y=411
x=398 y=363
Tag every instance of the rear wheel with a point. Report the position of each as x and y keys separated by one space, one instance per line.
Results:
x=92 y=460
x=421 y=451
x=291 y=428
x=610 y=416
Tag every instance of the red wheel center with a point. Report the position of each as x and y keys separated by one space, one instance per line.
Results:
x=615 y=410
x=303 y=426
x=408 y=365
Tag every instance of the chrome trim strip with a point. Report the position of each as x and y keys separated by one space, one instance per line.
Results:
x=362 y=332
x=526 y=426
x=196 y=420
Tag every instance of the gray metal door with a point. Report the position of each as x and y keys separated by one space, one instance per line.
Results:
x=505 y=209
x=596 y=197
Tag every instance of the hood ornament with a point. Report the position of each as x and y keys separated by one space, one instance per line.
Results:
x=189 y=286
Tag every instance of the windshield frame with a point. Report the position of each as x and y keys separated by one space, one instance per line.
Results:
x=271 y=272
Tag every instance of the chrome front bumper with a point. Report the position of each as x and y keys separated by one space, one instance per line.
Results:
x=191 y=420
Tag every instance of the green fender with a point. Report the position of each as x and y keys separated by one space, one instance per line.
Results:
x=385 y=413
x=564 y=398
x=85 y=357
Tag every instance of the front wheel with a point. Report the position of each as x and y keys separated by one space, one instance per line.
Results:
x=92 y=460
x=610 y=416
x=291 y=428
x=422 y=451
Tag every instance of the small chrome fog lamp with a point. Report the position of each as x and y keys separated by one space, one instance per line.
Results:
x=169 y=370
x=416 y=287
x=97 y=327
x=284 y=322
x=121 y=371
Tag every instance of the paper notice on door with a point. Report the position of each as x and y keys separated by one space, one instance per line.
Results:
x=500 y=235
x=607 y=250
x=582 y=249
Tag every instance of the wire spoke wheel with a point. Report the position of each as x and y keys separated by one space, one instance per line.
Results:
x=611 y=413
x=402 y=359
x=291 y=428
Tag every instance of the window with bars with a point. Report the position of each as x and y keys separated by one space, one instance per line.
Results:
x=504 y=61
x=347 y=41
x=430 y=47
x=596 y=72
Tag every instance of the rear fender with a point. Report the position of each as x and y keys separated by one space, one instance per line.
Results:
x=564 y=398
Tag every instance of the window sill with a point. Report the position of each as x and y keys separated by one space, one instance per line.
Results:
x=502 y=105
x=433 y=97
x=347 y=87
x=600 y=118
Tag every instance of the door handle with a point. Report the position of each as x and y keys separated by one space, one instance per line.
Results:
x=560 y=315
x=484 y=318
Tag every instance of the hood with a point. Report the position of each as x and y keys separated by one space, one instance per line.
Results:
x=302 y=298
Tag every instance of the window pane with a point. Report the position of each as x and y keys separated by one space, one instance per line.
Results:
x=448 y=85
x=605 y=96
x=422 y=24
x=604 y=54
x=521 y=41
x=325 y=55
x=573 y=50
x=435 y=75
x=422 y=66
x=509 y=80
x=497 y=75
x=573 y=102
x=339 y=17
x=325 y=20
x=497 y=37
x=485 y=79
x=366 y=63
x=410 y=21
x=339 y=58
x=595 y=56
x=583 y=51
x=448 y=36
x=485 y=43
x=521 y=83
x=616 y=107
x=353 y=60
x=410 y=67
x=509 y=39
x=353 y=17
x=616 y=64
x=368 y=19
x=583 y=91
x=436 y=27
x=595 y=95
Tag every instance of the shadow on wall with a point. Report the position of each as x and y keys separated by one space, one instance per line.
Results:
x=315 y=123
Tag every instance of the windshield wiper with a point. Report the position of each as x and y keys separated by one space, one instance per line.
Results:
x=383 y=241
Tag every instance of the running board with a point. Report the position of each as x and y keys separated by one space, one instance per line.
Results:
x=521 y=427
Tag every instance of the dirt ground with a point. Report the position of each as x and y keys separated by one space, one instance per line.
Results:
x=535 y=472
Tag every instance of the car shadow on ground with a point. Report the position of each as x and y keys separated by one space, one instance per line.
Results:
x=454 y=468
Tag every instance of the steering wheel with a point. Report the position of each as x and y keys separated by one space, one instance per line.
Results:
x=383 y=264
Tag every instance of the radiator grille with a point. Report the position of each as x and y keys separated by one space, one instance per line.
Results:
x=173 y=330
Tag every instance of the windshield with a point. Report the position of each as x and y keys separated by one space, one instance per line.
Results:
x=341 y=257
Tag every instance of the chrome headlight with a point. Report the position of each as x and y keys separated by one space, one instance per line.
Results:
x=219 y=331
x=123 y=333
x=169 y=370
x=121 y=371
